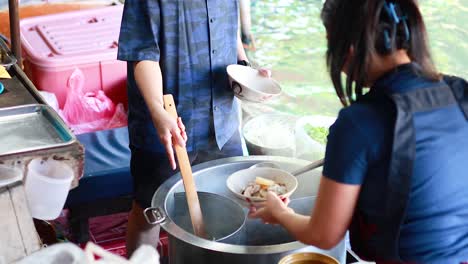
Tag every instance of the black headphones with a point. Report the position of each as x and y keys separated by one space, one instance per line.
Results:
x=394 y=13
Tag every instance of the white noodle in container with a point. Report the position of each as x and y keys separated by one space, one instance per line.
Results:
x=270 y=134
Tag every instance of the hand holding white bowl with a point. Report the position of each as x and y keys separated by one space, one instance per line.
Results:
x=251 y=84
x=269 y=210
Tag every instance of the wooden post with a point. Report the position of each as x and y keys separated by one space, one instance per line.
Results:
x=13 y=8
x=18 y=234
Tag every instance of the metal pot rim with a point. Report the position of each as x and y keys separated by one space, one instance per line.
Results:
x=170 y=227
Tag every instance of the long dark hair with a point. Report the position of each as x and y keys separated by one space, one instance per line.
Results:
x=365 y=26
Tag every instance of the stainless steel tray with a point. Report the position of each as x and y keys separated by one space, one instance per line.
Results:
x=30 y=128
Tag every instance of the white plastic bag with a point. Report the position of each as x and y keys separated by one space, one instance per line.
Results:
x=93 y=254
x=60 y=253
x=143 y=255
x=51 y=100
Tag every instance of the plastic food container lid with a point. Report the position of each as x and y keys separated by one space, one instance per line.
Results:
x=71 y=38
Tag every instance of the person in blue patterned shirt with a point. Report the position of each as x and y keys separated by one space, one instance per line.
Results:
x=180 y=48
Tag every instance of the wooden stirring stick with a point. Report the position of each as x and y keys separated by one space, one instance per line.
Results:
x=187 y=177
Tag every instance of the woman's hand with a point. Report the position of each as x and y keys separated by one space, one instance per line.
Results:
x=269 y=210
x=170 y=132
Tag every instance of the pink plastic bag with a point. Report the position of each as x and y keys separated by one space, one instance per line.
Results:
x=88 y=112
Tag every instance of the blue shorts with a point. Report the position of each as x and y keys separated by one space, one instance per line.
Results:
x=150 y=170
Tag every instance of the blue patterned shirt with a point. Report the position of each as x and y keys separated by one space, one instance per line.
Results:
x=193 y=41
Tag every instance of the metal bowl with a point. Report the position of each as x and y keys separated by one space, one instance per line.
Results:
x=308 y=258
x=219 y=227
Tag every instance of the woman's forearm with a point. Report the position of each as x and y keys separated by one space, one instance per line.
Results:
x=300 y=227
x=331 y=216
x=296 y=224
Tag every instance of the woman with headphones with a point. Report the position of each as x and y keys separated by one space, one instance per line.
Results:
x=394 y=172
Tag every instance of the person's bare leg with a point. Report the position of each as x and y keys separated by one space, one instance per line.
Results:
x=139 y=232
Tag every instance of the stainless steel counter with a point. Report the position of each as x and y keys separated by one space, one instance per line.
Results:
x=15 y=93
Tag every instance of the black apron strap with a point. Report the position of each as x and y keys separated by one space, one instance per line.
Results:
x=403 y=155
x=427 y=99
x=459 y=88
x=400 y=172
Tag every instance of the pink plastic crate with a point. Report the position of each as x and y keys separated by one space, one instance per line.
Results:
x=54 y=45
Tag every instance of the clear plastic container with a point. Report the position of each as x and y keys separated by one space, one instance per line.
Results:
x=306 y=147
x=47 y=185
x=270 y=134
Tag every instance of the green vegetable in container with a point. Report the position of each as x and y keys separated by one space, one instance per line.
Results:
x=319 y=134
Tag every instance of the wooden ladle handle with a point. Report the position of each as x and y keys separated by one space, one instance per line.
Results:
x=186 y=170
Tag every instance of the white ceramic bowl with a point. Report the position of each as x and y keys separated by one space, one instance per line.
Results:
x=237 y=182
x=248 y=84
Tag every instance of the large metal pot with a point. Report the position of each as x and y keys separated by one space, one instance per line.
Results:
x=255 y=242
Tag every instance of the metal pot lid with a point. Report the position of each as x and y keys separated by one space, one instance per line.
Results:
x=211 y=177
